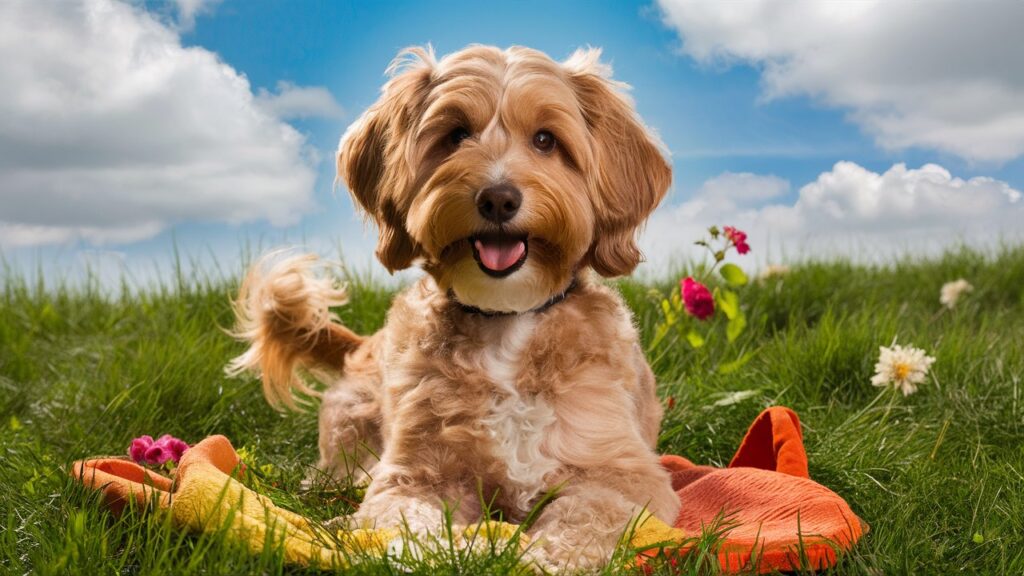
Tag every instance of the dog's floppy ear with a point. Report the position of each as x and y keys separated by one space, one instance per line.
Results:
x=372 y=155
x=629 y=175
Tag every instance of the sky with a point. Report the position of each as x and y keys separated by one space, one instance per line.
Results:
x=132 y=133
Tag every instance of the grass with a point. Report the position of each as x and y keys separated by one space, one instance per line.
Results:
x=939 y=475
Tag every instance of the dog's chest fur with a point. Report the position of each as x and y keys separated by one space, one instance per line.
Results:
x=513 y=401
x=516 y=420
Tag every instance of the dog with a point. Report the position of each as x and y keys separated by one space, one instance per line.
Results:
x=509 y=373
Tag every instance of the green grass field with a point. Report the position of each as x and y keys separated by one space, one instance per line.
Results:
x=938 y=475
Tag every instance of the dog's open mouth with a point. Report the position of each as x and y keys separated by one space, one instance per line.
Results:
x=499 y=254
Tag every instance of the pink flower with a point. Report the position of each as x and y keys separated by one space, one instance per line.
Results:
x=137 y=450
x=145 y=450
x=697 y=298
x=738 y=239
x=157 y=454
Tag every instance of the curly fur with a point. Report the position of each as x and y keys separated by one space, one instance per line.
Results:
x=449 y=407
x=283 y=310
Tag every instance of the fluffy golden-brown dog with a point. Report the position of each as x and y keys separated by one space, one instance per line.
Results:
x=509 y=370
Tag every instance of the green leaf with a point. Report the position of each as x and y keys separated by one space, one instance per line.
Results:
x=670 y=315
x=695 y=339
x=734 y=275
x=659 y=334
x=735 y=327
x=677 y=301
x=728 y=303
x=730 y=367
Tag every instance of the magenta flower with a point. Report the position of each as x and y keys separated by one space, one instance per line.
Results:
x=145 y=450
x=697 y=298
x=738 y=239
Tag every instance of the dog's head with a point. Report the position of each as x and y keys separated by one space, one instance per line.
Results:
x=504 y=172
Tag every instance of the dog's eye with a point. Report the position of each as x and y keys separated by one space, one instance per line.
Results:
x=458 y=135
x=544 y=141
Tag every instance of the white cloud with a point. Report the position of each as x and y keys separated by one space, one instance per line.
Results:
x=293 y=101
x=940 y=75
x=188 y=10
x=730 y=189
x=111 y=130
x=19 y=235
x=727 y=193
x=849 y=210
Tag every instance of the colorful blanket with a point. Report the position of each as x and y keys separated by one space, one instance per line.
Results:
x=768 y=512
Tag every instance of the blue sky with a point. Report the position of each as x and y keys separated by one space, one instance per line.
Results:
x=757 y=112
x=710 y=116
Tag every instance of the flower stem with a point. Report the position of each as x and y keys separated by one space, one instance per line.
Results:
x=862 y=411
x=888 y=409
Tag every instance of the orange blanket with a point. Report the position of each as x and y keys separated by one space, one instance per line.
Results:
x=775 y=517
x=771 y=513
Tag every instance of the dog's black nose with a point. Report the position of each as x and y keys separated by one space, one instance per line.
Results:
x=499 y=203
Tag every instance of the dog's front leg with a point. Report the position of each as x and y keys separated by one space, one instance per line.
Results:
x=421 y=513
x=420 y=509
x=350 y=429
x=581 y=528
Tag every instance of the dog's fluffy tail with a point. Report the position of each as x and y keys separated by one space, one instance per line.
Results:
x=283 y=312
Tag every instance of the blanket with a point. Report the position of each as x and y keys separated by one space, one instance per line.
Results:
x=767 y=512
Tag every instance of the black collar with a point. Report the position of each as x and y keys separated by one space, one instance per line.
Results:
x=491 y=314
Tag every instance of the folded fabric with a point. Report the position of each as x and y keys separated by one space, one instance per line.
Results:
x=206 y=496
x=767 y=511
x=770 y=514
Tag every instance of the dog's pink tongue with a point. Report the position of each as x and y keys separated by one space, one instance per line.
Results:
x=500 y=256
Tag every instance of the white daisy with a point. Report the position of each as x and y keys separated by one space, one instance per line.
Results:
x=902 y=368
x=951 y=292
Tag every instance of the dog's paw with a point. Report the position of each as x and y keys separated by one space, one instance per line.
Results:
x=345 y=523
x=536 y=559
x=561 y=553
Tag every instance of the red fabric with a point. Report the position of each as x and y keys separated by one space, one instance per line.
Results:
x=774 y=442
x=121 y=481
x=770 y=511
x=771 y=514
